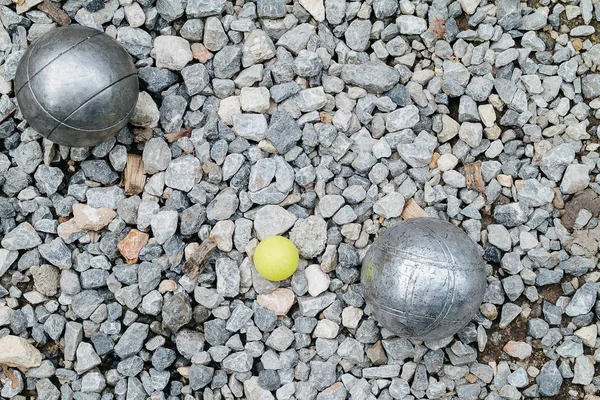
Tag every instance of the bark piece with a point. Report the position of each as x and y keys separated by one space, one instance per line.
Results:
x=55 y=14
x=413 y=210
x=197 y=256
x=134 y=180
x=473 y=177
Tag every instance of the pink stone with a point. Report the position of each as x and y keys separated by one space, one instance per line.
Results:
x=92 y=219
x=279 y=301
x=131 y=246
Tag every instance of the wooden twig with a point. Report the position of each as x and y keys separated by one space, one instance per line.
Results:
x=173 y=136
x=413 y=210
x=197 y=260
x=8 y=114
x=55 y=14
x=134 y=179
x=473 y=177
x=13 y=378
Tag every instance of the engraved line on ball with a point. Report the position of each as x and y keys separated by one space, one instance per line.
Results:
x=31 y=88
x=450 y=276
x=51 y=61
x=406 y=314
x=419 y=258
x=126 y=117
x=86 y=102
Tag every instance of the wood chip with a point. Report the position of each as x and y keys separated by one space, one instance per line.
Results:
x=13 y=378
x=471 y=378
x=413 y=210
x=473 y=177
x=173 y=136
x=55 y=14
x=325 y=117
x=434 y=160
x=197 y=257
x=134 y=179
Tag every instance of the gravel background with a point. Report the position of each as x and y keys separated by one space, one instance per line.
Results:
x=321 y=121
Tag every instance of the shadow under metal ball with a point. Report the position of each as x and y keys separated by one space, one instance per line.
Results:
x=423 y=279
x=76 y=86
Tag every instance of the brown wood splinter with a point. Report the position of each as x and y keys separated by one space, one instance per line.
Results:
x=134 y=179
x=413 y=210
x=197 y=260
x=13 y=378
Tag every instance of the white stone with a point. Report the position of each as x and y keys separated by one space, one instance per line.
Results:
x=315 y=8
x=411 y=25
x=318 y=281
x=146 y=112
x=446 y=162
x=326 y=329
x=487 y=115
x=222 y=233
x=172 y=52
x=135 y=15
x=17 y=352
x=469 y=6
x=5 y=314
x=588 y=335
x=471 y=133
x=575 y=179
x=7 y=258
x=164 y=225
x=527 y=241
x=449 y=128
x=351 y=317
x=228 y=107
x=254 y=99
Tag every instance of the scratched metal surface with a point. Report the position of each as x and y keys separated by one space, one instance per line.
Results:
x=76 y=86
x=423 y=279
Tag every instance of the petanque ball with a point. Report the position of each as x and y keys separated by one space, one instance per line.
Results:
x=76 y=86
x=423 y=279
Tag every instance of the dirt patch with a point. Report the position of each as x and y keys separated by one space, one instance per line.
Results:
x=588 y=200
x=550 y=293
x=498 y=337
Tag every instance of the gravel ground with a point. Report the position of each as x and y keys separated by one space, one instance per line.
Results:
x=318 y=120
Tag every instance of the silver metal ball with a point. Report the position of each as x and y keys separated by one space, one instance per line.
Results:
x=423 y=279
x=76 y=86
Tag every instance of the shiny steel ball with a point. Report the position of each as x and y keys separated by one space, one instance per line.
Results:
x=423 y=279
x=76 y=86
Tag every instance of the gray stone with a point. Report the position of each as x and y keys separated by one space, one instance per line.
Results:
x=177 y=312
x=549 y=379
x=132 y=341
x=20 y=238
x=204 y=8
x=583 y=300
x=373 y=76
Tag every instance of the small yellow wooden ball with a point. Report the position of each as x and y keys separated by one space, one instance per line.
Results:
x=276 y=258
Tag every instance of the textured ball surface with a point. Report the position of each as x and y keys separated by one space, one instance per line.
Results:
x=423 y=279
x=276 y=258
x=76 y=86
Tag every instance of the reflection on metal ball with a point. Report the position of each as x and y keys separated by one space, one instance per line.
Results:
x=423 y=279
x=76 y=86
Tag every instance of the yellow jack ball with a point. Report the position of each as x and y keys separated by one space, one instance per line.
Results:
x=276 y=258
